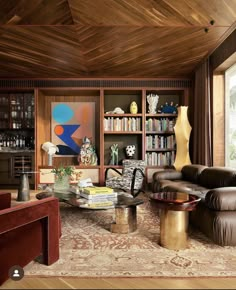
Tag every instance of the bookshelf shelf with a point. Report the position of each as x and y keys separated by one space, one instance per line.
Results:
x=123 y=132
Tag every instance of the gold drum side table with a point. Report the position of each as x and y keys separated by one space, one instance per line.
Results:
x=174 y=208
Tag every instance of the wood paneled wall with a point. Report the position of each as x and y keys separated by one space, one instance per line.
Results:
x=224 y=52
x=43 y=120
x=221 y=59
x=218 y=121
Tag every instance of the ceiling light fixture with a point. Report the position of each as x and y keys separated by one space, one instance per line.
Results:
x=212 y=22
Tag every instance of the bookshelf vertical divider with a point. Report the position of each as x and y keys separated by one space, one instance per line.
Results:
x=102 y=169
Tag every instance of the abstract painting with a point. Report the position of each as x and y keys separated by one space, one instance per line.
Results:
x=70 y=123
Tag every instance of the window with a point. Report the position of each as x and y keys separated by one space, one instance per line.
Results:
x=230 y=117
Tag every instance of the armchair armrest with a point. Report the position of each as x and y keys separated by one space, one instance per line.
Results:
x=222 y=198
x=111 y=168
x=28 y=231
x=133 y=181
x=5 y=200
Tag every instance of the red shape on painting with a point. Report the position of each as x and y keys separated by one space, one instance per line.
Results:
x=59 y=130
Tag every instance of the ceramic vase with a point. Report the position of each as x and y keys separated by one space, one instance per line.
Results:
x=130 y=151
x=24 y=189
x=133 y=108
x=152 y=100
x=114 y=154
x=182 y=130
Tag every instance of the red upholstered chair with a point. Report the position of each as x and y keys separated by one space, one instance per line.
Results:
x=28 y=231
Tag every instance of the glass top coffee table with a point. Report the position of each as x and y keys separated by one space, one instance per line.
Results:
x=125 y=208
x=125 y=211
x=74 y=199
x=174 y=208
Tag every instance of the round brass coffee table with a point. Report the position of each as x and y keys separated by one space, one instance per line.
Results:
x=174 y=208
x=125 y=214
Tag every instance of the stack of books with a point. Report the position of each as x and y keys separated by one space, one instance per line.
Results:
x=98 y=197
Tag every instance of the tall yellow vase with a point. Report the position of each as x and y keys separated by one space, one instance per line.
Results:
x=182 y=130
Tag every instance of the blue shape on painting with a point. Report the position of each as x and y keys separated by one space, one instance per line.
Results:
x=62 y=113
x=66 y=137
x=65 y=150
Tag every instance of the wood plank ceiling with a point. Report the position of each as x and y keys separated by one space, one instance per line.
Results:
x=110 y=38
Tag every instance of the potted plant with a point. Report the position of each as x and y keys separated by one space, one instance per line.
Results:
x=63 y=176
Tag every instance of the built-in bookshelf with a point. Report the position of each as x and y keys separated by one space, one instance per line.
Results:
x=124 y=128
x=25 y=103
x=122 y=123
x=152 y=134
x=17 y=120
x=17 y=136
x=160 y=139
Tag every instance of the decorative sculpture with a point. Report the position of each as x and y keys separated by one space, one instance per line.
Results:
x=87 y=155
x=117 y=110
x=168 y=108
x=114 y=154
x=152 y=100
x=182 y=130
x=133 y=108
x=130 y=151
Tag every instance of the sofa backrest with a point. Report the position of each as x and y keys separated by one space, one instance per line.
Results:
x=213 y=177
x=192 y=172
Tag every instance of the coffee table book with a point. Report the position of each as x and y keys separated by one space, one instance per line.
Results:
x=97 y=190
x=103 y=204
x=99 y=196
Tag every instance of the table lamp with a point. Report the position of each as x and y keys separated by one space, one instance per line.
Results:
x=51 y=150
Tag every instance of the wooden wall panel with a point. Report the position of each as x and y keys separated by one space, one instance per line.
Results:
x=224 y=51
x=218 y=121
x=110 y=38
x=43 y=120
x=221 y=59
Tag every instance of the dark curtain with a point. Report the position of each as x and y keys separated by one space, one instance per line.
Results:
x=202 y=117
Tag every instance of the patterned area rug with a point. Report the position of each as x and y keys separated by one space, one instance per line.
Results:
x=89 y=249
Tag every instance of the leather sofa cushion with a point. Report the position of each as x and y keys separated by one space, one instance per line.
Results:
x=192 y=172
x=217 y=225
x=169 y=174
x=214 y=177
x=221 y=199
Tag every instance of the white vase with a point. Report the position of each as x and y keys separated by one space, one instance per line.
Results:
x=152 y=100
x=182 y=130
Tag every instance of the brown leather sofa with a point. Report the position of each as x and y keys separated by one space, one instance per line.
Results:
x=215 y=214
x=28 y=231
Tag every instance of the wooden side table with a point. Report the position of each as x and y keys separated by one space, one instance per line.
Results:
x=174 y=208
x=125 y=214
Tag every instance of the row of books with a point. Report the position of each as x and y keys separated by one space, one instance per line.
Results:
x=160 y=142
x=160 y=159
x=160 y=125
x=122 y=124
x=98 y=197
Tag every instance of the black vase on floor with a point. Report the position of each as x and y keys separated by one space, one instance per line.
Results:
x=24 y=190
